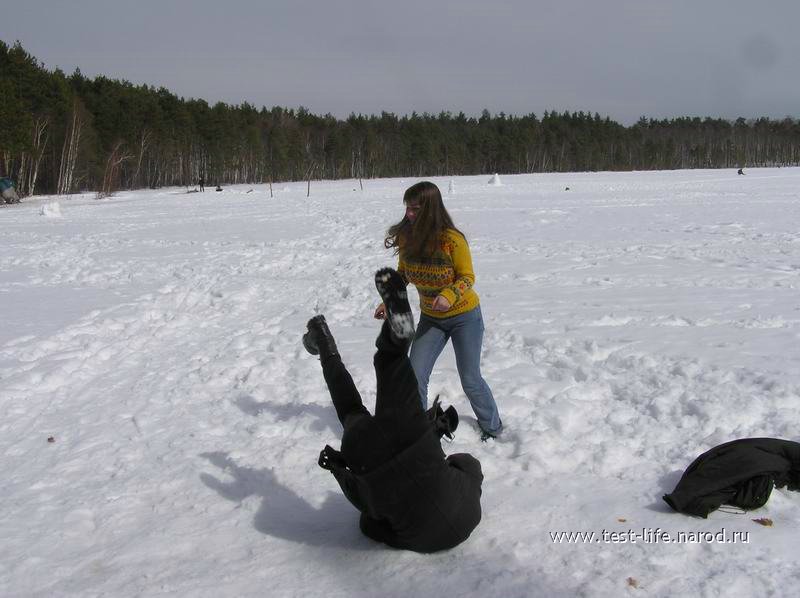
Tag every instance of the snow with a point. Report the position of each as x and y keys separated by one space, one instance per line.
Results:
x=631 y=324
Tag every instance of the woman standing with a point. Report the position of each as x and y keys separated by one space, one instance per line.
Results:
x=435 y=258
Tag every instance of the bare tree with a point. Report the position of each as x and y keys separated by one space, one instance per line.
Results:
x=69 y=152
x=40 y=138
x=309 y=172
x=116 y=158
x=144 y=142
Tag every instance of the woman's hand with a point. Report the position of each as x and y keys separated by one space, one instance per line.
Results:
x=440 y=303
x=380 y=312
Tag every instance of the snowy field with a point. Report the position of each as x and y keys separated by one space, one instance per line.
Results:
x=632 y=322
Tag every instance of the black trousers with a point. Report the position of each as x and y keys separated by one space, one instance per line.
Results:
x=399 y=419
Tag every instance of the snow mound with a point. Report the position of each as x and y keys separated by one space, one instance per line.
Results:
x=51 y=210
x=495 y=181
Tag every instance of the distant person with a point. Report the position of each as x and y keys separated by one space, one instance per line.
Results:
x=7 y=191
x=202 y=183
x=741 y=171
x=218 y=188
x=434 y=256
x=391 y=466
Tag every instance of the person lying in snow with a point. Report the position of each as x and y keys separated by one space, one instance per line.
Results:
x=391 y=466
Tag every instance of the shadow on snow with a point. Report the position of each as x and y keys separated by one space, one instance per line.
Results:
x=284 y=514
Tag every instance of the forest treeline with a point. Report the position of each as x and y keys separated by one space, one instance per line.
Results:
x=64 y=133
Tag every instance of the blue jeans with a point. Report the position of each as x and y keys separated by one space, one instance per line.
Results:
x=466 y=332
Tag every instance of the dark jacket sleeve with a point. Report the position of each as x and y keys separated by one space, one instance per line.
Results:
x=349 y=485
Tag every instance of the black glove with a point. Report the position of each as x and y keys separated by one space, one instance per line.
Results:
x=444 y=422
x=330 y=458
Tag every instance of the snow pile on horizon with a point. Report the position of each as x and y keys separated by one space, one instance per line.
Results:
x=155 y=338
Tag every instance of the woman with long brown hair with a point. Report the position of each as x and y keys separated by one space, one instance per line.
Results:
x=434 y=256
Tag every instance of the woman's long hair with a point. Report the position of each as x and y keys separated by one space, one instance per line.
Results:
x=420 y=238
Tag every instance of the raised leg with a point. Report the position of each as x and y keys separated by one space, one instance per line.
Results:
x=397 y=388
x=318 y=340
x=344 y=394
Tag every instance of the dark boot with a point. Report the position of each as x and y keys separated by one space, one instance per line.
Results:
x=392 y=290
x=486 y=435
x=319 y=340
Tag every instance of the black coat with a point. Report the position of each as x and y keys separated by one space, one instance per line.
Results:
x=740 y=473
x=418 y=500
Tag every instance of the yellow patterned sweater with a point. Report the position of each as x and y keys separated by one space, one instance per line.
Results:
x=447 y=272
